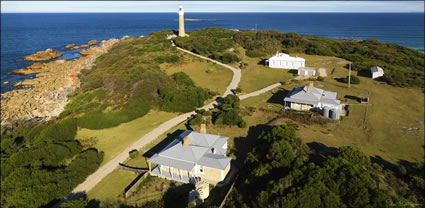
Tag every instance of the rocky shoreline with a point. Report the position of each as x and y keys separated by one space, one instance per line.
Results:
x=45 y=96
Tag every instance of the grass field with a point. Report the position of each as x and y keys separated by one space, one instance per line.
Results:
x=257 y=76
x=114 y=140
x=112 y=186
x=203 y=73
x=236 y=137
x=392 y=109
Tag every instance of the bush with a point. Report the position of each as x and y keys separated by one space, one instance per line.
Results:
x=242 y=124
x=320 y=78
x=134 y=154
x=353 y=80
x=229 y=58
x=238 y=90
x=135 y=108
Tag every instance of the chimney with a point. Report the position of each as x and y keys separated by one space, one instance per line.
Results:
x=311 y=84
x=185 y=141
x=277 y=53
x=203 y=129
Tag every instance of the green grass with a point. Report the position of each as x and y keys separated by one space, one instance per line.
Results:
x=257 y=76
x=392 y=109
x=114 y=140
x=204 y=74
x=112 y=186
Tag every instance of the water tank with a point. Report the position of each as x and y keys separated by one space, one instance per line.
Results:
x=334 y=114
x=325 y=112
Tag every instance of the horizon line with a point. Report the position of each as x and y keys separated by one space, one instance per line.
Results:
x=204 y=12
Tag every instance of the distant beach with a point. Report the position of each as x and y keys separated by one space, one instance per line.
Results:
x=25 y=34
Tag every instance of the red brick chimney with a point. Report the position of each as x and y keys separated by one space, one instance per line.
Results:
x=311 y=84
x=185 y=141
x=203 y=129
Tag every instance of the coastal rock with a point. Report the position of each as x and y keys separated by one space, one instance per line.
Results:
x=70 y=46
x=92 y=42
x=22 y=71
x=84 y=46
x=45 y=55
x=44 y=97
x=84 y=52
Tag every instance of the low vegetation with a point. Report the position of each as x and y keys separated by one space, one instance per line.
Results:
x=40 y=165
x=403 y=67
x=282 y=172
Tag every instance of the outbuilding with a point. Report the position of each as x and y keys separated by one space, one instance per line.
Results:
x=284 y=61
x=376 y=72
x=306 y=71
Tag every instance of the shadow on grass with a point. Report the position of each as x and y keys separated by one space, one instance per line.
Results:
x=163 y=143
x=278 y=96
x=242 y=145
x=176 y=195
x=364 y=73
x=262 y=62
x=351 y=97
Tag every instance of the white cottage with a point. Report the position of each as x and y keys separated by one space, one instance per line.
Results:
x=376 y=72
x=284 y=61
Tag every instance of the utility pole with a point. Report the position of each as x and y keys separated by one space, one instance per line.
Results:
x=349 y=75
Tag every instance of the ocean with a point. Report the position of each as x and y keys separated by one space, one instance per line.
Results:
x=24 y=34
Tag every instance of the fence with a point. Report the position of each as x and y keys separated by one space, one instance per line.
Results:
x=128 y=191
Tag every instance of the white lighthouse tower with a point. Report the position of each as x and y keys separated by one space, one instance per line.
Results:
x=181 y=22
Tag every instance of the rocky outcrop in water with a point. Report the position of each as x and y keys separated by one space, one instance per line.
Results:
x=70 y=46
x=45 y=96
x=46 y=55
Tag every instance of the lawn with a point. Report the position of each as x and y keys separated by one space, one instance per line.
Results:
x=114 y=140
x=236 y=137
x=112 y=186
x=257 y=76
x=204 y=74
x=392 y=111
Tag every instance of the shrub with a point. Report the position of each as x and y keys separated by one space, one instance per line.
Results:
x=134 y=154
x=229 y=58
x=320 y=78
x=242 y=124
x=238 y=90
x=353 y=80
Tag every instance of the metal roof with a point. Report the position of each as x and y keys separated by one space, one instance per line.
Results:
x=313 y=97
x=306 y=69
x=285 y=57
x=175 y=154
x=376 y=69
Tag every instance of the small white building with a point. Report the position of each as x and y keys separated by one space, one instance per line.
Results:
x=306 y=71
x=376 y=72
x=284 y=61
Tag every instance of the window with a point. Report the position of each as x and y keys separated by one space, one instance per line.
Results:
x=201 y=170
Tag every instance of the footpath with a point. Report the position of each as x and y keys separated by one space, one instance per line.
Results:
x=92 y=180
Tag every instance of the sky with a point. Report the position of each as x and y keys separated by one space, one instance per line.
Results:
x=211 y=6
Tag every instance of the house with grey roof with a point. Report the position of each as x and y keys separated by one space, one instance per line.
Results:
x=193 y=154
x=307 y=98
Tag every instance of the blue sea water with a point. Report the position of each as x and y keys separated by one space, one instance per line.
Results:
x=24 y=34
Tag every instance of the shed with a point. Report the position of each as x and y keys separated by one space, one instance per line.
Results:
x=364 y=98
x=306 y=71
x=376 y=72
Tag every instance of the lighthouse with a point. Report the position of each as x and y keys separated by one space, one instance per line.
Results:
x=181 y=22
